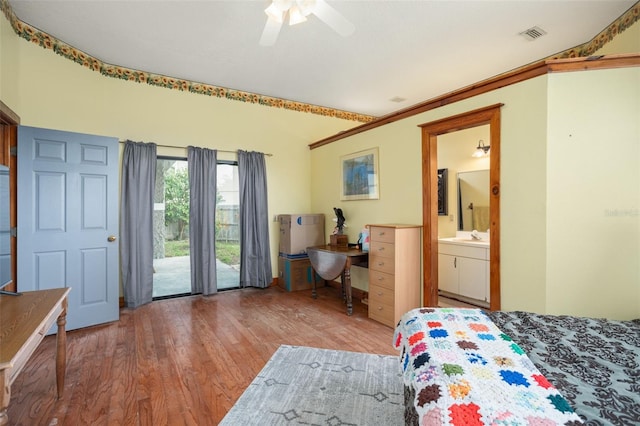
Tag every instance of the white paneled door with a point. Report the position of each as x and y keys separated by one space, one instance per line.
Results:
x=68 y=220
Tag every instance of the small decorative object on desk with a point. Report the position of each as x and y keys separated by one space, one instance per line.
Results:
x=338 y=238
x=340 y=220
x=363 y=240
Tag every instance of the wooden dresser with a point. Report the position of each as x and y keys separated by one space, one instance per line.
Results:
x=394 y=271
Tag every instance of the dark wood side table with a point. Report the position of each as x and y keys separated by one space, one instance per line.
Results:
x=332 y=261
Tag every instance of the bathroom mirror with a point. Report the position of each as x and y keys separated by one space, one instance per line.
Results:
x=473 y=201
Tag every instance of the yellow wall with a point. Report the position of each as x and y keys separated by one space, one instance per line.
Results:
x=593 y=193
x=523 y=186
x=547 y=265
x=47 y=90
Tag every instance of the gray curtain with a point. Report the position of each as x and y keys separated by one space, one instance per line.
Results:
x=202 y=219
x=136 y=222
x=255 y=256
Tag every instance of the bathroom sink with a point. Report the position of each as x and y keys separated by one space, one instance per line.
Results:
x=466 y=241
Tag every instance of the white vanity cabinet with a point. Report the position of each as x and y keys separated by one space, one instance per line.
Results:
x=463 y=269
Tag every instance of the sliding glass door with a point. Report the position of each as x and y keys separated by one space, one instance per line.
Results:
x=171 y=262
x=228 y=226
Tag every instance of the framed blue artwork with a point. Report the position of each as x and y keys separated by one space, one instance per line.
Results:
x=360 y=175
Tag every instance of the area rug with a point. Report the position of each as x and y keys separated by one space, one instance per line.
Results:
x=309 y=386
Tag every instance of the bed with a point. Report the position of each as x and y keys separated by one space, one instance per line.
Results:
x=469 y=366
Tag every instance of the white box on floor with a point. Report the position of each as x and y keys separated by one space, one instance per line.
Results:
x=299 y=231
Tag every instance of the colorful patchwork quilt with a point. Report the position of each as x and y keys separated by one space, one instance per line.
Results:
x=464 y=371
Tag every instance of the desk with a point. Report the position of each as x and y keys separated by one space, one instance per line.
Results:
x=24 y=321
x=332 y=261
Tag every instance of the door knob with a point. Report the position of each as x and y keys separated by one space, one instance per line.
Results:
x=111 y=238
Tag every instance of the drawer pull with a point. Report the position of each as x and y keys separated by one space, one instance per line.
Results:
x=380 y=308
x=381 y=249
x=381 y=233
x=380 y=278
x=380 y=263
x=380 y=293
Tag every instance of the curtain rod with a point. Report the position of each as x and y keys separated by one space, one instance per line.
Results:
x=184 y=147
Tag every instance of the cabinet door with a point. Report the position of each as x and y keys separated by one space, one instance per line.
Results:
x=473 y=277
x=447 y=273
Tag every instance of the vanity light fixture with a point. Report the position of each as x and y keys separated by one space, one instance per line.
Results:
x=482 y=150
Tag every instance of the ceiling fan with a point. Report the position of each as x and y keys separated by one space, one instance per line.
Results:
x=298 y=10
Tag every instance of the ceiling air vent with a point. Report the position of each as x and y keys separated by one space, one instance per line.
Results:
x=533 y=33
x=397 y=99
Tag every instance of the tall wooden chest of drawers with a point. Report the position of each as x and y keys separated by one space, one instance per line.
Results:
x=394 y=271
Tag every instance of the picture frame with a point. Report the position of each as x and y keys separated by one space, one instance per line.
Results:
x=443 y=205
x=359 y=178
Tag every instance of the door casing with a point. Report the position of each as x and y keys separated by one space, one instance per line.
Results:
x=489 y=115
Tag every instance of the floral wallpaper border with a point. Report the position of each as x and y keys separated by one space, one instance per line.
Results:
x=619 y=25
x=46 y=41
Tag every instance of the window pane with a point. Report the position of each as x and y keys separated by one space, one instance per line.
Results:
x=228 y=227
x=171 y=263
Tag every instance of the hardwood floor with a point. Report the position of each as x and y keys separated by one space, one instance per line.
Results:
x=184 y=361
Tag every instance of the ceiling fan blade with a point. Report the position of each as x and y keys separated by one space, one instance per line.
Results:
x=270 y=32
x=333 y=18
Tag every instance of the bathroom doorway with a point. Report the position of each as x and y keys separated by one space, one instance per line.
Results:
x=430 y=132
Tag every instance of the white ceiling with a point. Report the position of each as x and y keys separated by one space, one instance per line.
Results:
x=415 y=50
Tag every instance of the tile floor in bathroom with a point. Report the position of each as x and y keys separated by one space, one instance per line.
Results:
x=445 y=302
